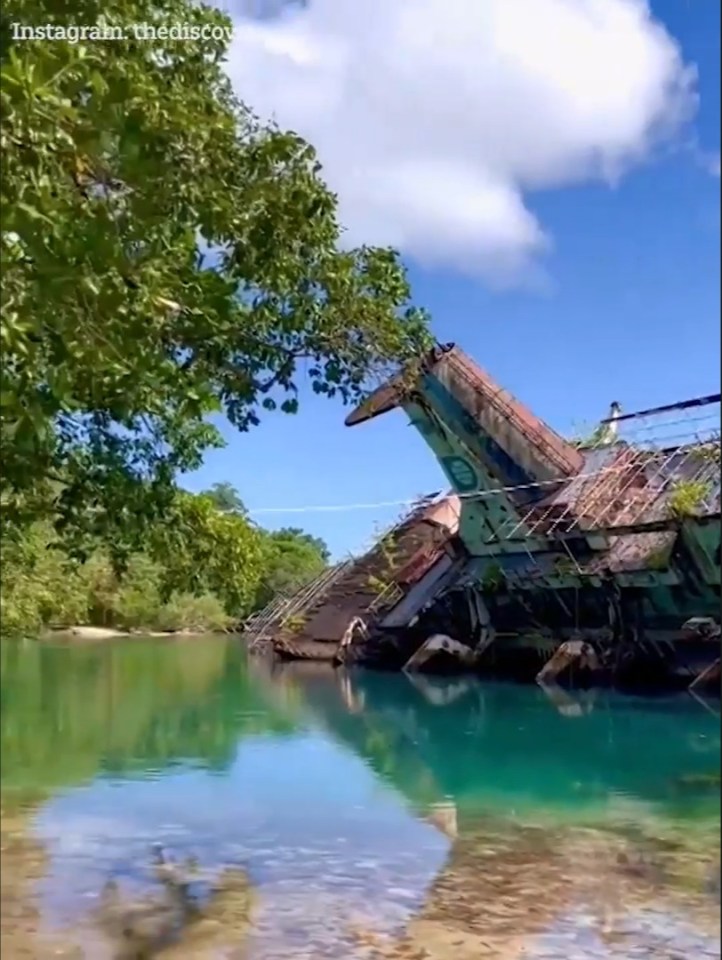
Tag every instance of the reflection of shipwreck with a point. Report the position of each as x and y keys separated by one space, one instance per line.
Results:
x=603 y=554
x=526 y=810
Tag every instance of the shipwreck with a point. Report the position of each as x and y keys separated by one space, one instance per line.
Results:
x=596 y=558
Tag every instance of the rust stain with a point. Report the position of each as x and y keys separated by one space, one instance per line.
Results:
x=563 y=455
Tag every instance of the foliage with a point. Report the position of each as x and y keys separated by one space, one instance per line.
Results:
x=205 y=551
x=563 y=565
x=39 y=585
x=389 y=549
x=187 y=612
x=711 y=451
x=376 y=584
x=295 y=622
x=493 y=578
x=687 y=496
x=295 y=535
x=581 y=435
x=387 y=555
x=118 y=340
x=201 y=569
x=137 y=599
x=658 y=560
x=226 y=499
x=290 y=559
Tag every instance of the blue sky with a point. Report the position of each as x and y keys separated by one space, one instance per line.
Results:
x=628 y=305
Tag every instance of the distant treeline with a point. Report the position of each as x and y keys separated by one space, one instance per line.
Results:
x=204 y=566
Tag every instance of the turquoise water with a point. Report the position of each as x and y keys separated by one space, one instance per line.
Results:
x=349 y=815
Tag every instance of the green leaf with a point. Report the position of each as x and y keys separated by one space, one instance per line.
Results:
x=117 y=158
x=33 y=213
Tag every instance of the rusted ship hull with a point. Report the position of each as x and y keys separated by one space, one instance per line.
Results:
x=288 y=649
x=548 y=560
x=330 y=619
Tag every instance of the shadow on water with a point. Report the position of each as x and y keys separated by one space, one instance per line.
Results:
x=320 y=813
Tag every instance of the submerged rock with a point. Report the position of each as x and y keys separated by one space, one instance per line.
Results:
x=699 y=781
x=173 y=920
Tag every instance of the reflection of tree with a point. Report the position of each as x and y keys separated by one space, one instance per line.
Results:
x=70 y=712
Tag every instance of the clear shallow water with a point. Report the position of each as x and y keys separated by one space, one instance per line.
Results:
x=350 y=815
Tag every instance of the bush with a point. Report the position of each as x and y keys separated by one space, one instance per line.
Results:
x=40 y=585
x=199 y=614
x=687 y=497
x=200 y=570
x=137 y=603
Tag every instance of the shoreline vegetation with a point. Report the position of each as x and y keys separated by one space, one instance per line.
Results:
x=85 y=634
x=165 y=268
x=225 y=570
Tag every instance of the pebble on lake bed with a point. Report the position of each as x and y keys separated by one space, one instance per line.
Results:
x=512 y=896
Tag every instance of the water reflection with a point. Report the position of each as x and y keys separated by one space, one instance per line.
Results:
x=341 y=814
x=70 y=714
x=511 y=748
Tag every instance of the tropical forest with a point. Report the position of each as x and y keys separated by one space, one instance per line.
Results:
x=167 y=259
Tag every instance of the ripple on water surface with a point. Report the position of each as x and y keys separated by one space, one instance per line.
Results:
x=312 y=814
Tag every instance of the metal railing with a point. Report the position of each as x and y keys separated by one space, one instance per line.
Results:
x=632 y=480
x=282 y=608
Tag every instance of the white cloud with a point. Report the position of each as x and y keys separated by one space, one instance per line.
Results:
x=434 y=118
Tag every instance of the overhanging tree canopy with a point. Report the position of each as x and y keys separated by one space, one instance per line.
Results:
x=120 y=159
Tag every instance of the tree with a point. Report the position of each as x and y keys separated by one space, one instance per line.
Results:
x=291 y=558
x=226 y=499
x=295 y=534
x=118 y=339
x=204 y=566
x=204 y=551
x=198 y=568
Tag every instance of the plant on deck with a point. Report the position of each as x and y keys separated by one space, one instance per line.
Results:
x=492 y=579
x=387 y=551
x=686 y=497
